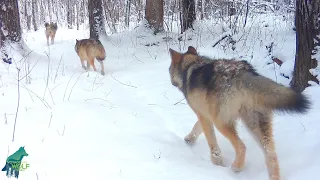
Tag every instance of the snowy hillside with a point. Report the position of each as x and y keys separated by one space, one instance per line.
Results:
x=130 y=123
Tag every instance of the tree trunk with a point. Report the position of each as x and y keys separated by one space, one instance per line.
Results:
x=128 y=8
x=34 y=14
x=42 y=13
x=69 y=14
x=307 y=24
x=188 y=14
x=10 y=18
x=201 y=8
x=27 y=13
x=49 y=10
x=34 y=10
x=96 y=20
x=154 y=14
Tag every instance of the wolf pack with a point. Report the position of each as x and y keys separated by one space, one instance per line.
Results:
x=220 y=92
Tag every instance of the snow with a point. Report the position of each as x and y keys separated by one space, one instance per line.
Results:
x=130 y=123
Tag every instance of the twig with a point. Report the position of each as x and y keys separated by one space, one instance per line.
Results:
x=50 y=120
x=179 y=101
x=48 y=74
x=220 y=40
x=67 y=86
x=134 y=55
x=303 y=126
x=30 y=70
x=18 y=105
x=8 y=151
x=122 y=83
x=74 y=85
x=44 y=102
x=5 y=118
x=64 y=127
x=37 y=176
x=55 y=77
x=164 y=94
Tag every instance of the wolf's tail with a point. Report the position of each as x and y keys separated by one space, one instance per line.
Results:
x=100 y=52
x=4 y=168
x=269 y=94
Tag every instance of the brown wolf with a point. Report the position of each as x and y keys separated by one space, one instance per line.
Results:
x=89 y=49
x=222 y=91
x=51 y=30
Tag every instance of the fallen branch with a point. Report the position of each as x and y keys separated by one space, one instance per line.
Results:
x=179 y=101
x=123 y=83
x=276 y=60
x=18 y=105
x=221 y=39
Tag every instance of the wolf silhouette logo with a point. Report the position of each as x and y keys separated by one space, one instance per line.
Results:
x=13 y=163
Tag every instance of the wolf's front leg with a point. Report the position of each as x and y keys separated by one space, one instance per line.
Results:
x=210 y=135
x=192 y=137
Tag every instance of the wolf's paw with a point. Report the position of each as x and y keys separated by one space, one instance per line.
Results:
x=190 y=139
x=102 y=73
x=274 y=177
x=216 y=159
x=236 y=167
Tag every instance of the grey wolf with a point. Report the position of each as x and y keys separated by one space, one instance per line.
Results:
x=13 y=163
x=51 y=30
x=89 y=49
x=220 y=91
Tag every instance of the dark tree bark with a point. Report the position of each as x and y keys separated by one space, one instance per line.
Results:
x=154 y=14
x=69 y=14
x=307 y=29
x=188 y=14
x=42 y=13
x=34 y=10
x=128 y=12
x=10 y=18
x=96 y=19
x=27 y=6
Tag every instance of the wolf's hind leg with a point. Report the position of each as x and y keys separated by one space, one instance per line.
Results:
x=102 y=67
x=91 y=62
x=261 y=127
x=82 y=64
x=192 y=137
x=229 y=131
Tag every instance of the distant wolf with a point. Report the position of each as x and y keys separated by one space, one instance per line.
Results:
x=13 y=162
x=89 y=49
x=51 y=30
x=220 y=91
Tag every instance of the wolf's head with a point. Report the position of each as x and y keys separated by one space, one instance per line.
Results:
x=179 y=63
x=54 y=26
x=22 y=151
x=46 y=25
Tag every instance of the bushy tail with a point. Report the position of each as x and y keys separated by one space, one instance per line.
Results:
x=272 y=95
x=100 y=52
x=4 y=168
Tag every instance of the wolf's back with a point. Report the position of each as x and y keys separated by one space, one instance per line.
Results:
x=274 y=96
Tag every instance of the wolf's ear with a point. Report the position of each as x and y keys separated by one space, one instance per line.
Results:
x=192 y=50
x=175 y=56
x=77 y=40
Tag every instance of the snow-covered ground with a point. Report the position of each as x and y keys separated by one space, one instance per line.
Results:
x=130 y=123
